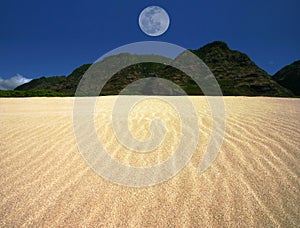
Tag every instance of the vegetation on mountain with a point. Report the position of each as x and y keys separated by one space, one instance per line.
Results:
x=289 y=77
x=30 y=93
x=236 y=74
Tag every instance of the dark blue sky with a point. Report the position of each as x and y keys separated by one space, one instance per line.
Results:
x=45 y=38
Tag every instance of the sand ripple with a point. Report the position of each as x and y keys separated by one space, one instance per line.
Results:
x=255 y=180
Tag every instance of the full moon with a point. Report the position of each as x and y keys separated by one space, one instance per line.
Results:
x=154 y=21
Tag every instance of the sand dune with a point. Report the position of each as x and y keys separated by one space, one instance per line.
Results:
x=255 y=180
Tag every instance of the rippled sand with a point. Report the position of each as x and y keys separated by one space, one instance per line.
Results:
x=255 y=180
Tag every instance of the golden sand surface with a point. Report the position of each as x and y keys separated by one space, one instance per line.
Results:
x=255 y=180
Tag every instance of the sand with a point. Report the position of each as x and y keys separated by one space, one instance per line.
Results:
x=255 y=180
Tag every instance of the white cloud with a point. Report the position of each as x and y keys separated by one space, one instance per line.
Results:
x=13 y=82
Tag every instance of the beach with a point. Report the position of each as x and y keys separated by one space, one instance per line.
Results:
x=254 y=181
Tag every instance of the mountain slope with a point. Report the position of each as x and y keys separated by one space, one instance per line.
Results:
x=63 y=84
x=235 y=72
x=289 y=77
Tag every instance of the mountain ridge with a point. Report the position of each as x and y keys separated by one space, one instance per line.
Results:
x=236 y=73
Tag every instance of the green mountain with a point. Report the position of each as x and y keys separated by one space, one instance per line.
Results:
x=235 y=72
x=289 y=77
x=62 y=84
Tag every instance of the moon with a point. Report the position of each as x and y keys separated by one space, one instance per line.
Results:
x=154 y=21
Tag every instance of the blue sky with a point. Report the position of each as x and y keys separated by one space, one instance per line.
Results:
x=45 y=38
